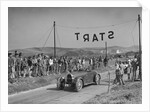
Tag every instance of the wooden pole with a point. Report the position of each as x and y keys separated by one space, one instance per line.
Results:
x=140 y=52
x=106 y=49
x=106 y=61
x=109 y=82
x=54 y=42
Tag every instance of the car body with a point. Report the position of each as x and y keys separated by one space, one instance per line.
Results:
x=77 y=80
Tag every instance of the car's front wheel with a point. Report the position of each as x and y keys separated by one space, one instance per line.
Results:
x=78 y=85
x=97 y=79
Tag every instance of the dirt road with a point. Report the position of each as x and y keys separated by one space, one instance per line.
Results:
x=51 y=95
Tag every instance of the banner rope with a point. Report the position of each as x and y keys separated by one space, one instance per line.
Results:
x=96 y=27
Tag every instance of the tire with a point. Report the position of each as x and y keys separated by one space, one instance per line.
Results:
x=60 y=83
x=97 y=79
x=78 y=85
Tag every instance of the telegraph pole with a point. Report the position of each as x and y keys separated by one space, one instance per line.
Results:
x=140 y=52
x=106 y=49
x=54 y=41
x=105 y=60
x=107 y=69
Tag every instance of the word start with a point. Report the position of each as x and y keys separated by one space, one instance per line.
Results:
x=100 y=36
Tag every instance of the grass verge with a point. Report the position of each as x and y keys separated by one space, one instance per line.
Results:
x=130 y=93
x=28 y=83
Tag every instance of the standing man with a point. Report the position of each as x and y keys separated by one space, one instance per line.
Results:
x=29 y=61
x=17 y=65
x=134 y=68
x=66 y=64
x=129 y=69
x=34 y=62
x=50 y=64
x=90 y=63
x=44 y=65
x=20 y=64
x=117 y=72
x=83 y=63
x=94 y=63
x=10 y=66
x=122 y=67
x=55 y=65
x=59 y=65
x=105 y=61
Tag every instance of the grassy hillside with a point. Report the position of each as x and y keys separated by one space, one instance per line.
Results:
x=75 y=51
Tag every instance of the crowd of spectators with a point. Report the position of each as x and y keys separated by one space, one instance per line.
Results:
x=127 y=67
x=43 y=65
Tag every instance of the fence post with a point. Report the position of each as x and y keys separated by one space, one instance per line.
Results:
x=109 y=82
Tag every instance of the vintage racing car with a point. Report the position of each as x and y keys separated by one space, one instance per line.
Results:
x=77 y=80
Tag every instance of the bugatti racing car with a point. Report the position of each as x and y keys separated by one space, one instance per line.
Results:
x=77 y=80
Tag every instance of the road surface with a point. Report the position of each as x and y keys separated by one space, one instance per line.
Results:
x=51 y=95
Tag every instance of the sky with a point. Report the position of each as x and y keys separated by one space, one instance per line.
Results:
x=33 y=26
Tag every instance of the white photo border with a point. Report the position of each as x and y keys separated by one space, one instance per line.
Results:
x=73 y=107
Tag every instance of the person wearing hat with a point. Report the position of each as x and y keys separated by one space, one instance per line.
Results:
x=10 y=65
x=18 y=65
x=16 y=53
x=35 y=68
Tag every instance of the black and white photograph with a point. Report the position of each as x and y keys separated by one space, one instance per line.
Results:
x=74 y=55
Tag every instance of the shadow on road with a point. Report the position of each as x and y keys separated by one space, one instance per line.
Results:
x=71 y=89
x=68 y=89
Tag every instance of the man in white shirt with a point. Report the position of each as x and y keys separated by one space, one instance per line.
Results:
x=51 y=64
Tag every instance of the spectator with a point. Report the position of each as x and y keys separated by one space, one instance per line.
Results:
x=10 y=66
x=117 y=72
x=35 y=64
x=51 y=64
x=59 y=65
x=105 y=61
x=134 y=69
x=122 y=67
x=29 y=69
x=44 y=65
x=17 y=65
x=129 y=69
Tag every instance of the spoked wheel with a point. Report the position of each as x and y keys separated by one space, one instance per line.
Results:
x=97 y=79
x=60 y=83
x=78 y=85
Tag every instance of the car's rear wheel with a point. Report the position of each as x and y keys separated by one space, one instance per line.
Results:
x=60 y=83
x=97 y=79
x=78 y=85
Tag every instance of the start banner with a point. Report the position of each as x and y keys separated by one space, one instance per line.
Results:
x=94 y=37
